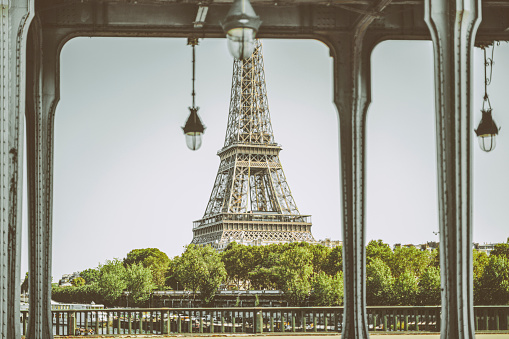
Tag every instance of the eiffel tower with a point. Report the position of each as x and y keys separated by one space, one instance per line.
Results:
x=251 y=202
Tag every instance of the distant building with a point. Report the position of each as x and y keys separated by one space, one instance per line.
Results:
x=428 y=246
x=486 y=248
x=327 y=242
x=67 y=279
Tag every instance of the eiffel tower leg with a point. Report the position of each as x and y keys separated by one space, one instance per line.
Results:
x=352 y=98
x=42 y=96
x=453 y=25
x=15 y=18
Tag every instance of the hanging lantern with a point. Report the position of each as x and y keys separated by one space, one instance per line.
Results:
x=193 y=128
x=241 y=25
x=487 y=132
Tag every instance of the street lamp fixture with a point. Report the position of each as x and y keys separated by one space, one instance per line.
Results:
x=487 y=132
x=241 y=25
x=487 y=129
x=193 y=129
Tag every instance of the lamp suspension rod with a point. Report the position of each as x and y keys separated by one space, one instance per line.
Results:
x=193 y=92
x=487 y=79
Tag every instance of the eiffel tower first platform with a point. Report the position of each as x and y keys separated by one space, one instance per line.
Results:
x=251 y=202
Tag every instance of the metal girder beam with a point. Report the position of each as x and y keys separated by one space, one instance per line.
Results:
x=453 y=25
x=15 y=18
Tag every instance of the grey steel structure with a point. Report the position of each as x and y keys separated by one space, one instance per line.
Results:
x=32 y=33
x=251 y=201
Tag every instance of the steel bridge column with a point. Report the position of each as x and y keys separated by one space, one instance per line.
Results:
x=352 y=88
x=15 y=18
x=42 y=96
x=352 y=96
x=453 y=25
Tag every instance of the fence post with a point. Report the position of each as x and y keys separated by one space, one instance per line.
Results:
x=486 y=320
x=129 y=324
x=497 y=321
x=97 y=322
x=315 y=323
x=118 y=322
x=271 y=322
x=71 y=328
x=283 y=322
x=326 y=323
x=303 y=320
x=293 y=322
x=259 y=322
x=222 y=322
x=233 y=322
x=395 y=320
x=384 y=316
x=439 y=319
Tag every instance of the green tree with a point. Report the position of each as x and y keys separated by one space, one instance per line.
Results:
x=78 y=281
x=200 y=269
x=320 y=254
x=24 y=285
x=83 y=294
x=327 y=290
x=263 y=275
x=406 y=288
x=494 y=284
x=409 y=258
x=501 y=250
x=379 y=283
x=334 y=261
x=91 y=275
x=238 y=261
x=429 y=286
x=139 y=283
x=480 y=261
x=112 y=280
x=378 y=249
x=153 y=259
x=294 y=274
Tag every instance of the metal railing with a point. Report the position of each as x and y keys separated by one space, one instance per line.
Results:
x=250 y=217
x=255 y=320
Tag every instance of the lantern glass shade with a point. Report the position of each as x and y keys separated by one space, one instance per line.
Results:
x=487 y=131
x=487 y=142
x=193 y=130
x=193 y=140
x=241 y=25
x=241 y=42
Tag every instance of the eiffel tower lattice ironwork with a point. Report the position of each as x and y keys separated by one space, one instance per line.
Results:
x=251 y=202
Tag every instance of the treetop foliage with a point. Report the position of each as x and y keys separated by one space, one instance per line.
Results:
x=307 y=274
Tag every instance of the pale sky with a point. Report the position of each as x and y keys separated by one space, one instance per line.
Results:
x=124 y=178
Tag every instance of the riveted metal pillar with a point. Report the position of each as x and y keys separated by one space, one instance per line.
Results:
x=42 y=95
x=15 y=18
x=352 y=99
x=453 y=25
x=352 y=96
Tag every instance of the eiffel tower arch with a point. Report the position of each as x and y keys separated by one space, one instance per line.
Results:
x=251 y=201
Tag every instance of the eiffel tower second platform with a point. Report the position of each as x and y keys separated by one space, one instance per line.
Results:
x=251 y=202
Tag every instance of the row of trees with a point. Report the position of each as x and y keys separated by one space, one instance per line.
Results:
x=307 y=274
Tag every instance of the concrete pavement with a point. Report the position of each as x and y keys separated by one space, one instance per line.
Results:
x=314 y=336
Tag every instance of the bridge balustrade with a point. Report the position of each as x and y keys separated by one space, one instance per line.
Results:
x=244 y=320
